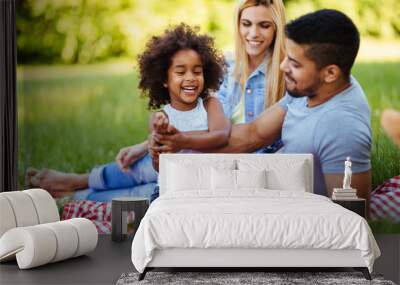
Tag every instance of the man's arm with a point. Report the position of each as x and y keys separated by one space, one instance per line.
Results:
x=244 y=137
x=262 y=131
x=360 y=181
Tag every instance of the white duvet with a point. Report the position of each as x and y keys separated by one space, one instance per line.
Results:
x=255 y=218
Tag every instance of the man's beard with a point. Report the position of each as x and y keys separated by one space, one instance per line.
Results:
x=309 y=92
x=299 y=94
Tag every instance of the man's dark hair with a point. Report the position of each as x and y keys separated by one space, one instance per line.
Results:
x=155 y=61
x=331 y=37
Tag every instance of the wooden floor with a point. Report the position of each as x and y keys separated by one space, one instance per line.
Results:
x=389 y=262
x=110 y=259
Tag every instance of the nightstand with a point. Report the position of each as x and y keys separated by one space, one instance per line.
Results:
x=356 y=205
x=120 y=207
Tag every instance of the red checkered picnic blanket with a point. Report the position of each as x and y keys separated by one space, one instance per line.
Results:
x=98 y=212
x=385 y=200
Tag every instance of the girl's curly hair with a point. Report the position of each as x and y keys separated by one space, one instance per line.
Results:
x=155 y=61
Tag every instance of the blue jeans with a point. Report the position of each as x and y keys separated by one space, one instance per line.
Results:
x=155 y=194
x=108 y=181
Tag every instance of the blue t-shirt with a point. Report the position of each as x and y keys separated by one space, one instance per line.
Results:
x=331 y=131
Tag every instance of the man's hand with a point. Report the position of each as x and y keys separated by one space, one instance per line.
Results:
x=128 y=155
x=170 y=141
x=164 y=138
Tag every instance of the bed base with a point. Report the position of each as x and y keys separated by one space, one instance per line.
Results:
x=363 y=270
x=244 y=259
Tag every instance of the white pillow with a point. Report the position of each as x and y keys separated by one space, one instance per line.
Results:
x=251 y=178
x=225 y=179
x=293 y=179
x=185 y=177
x=281 y=174
x=186 y=174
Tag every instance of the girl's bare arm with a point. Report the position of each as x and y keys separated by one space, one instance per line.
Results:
x=217 y=135
x=219 y=128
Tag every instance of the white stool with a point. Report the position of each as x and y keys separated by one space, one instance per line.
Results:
x=31 y=231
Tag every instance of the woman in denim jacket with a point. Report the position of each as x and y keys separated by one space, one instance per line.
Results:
x=254 y=81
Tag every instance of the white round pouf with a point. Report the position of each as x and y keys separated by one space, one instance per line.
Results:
x=33 y=246
x=87 y=234
x=7 y=218
x=45 y=205
x=30 y=230
x=67 y=240
x=23 y=208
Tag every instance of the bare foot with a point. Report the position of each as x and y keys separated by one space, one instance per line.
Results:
x=390 y=121
x=56 y=182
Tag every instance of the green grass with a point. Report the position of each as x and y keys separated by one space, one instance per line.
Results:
x=75 y=123
x=381 y=85
x=79 y=118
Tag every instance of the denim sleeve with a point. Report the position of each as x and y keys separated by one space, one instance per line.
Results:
x=339 y=135
x=223 y=96
x=225 y=91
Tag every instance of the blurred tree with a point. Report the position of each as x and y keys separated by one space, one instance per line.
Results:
x=84 y=31
x=378 y=19
x=69 y=30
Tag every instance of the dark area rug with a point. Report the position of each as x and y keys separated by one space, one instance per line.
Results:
x=229 y=278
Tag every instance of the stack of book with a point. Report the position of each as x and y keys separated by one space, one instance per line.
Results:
x=344 y=194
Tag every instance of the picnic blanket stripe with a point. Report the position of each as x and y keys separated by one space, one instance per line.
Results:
x=390 y=201
x=98 y=212
x=375 y=212
x=384 y=205
x=385 y=200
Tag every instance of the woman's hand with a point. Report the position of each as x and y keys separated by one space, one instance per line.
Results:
x=128 y=155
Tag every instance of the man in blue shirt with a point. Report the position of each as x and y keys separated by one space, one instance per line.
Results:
x=325 y=111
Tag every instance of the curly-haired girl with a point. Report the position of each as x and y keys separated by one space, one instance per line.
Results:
x=181 y=68
x=178 y=69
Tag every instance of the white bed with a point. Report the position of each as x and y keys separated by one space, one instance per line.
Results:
x=247 y=210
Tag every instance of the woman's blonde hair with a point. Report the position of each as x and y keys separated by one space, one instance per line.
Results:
x=274 y=82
